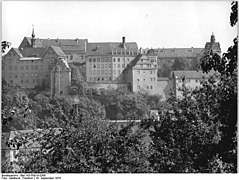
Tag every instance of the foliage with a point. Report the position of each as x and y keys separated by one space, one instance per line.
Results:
x=5 y=45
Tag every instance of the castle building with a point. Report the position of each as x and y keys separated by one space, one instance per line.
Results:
x=55 y=63
x=106 y=61
x=60 y=78
x=190 y=56
x=189 y=79
x=142 y=74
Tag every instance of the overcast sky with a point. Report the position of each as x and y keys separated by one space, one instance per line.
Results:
x=156 y=24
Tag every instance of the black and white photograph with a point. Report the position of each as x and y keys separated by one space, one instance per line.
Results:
x=113 y=87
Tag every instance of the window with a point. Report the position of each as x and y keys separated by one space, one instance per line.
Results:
x=98 y=65
x=114 y=71
x=10 y=60
x=90 y=79
x=32 y=74
x=27 y=74
x=114 y=59
x=15 y=67
x=102 y=60
x=138 y=87
x=118 y=59
x=98 y=72
x=90 y=72
x=36 y=67
x=98 y=59
x=98 y=79
x=151 y=87
x=27 y=81
x=32 y=67
x=10 y=75
x=147 y=87
x=118 y=71
x=33 y=80
x=11 y=81
x=151 y=72
x=94 y=66
x=110 y=78
x=27 y=67
x=36 y=74
x=106 y=71
x=138 y=72
x=106 y=66
x=16 y=76
x=118 y=65
x=109 y=65
x=106 y=79
x=22 y=68
x=90 y=60
x=49 y=67
x=123 y=66
x=114 y=65
x=21 y=81
x=138 y=80
x=10 y=67
x=102 y=72
x=102 y=65
x=94 y=72
x=94 y=59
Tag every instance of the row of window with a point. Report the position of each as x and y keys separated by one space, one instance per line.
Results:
x=148 y=87
x=151 y=79
x=104 y=72
x=102 y=66
x=23 y=75
x=106 y=59
x=144 y=72
x=27 y=81
x=32 y=67
x=147 y=65
x=100 y=79
x=106 y=66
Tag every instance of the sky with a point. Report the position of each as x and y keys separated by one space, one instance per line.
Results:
x=152 y=24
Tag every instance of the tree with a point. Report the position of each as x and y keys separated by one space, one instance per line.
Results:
x=127 y=106
x=226 y=66
x=5 y=45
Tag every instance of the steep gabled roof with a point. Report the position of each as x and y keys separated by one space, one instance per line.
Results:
x=18 y=52
x=58 y=51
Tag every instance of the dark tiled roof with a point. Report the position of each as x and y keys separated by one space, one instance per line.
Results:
x=191 y=74
x=65 y=44
x=33 y=52
x=98 y=49
x=18 y=52
x=108 y=47
x=37 y=42
x=178 y=52
x=58 y=51
x=128 y=45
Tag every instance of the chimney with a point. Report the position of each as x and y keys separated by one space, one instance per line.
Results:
x=123 y=40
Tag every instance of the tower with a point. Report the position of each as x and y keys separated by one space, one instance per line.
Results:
x=33 y=37
x=60 y=78
x=213 y=45
x=213 y=39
